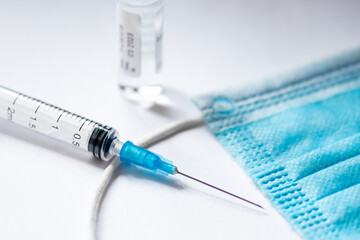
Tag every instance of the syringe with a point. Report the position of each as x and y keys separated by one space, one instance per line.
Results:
x=83 y=133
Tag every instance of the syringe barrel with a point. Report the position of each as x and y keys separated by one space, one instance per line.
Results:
x=57 y=123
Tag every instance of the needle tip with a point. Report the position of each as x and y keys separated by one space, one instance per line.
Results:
x=176 y=171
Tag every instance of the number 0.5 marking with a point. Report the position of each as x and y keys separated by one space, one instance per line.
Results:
x=75 y=142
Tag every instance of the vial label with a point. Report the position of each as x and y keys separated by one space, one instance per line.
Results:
x=130 y=43
x=159 y=40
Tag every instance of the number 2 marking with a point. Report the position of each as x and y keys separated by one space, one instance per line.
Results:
x=10 y=112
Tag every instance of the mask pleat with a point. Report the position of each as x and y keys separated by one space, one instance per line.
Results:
x=325 y=157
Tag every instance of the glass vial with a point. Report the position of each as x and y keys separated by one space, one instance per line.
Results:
x=140 y=26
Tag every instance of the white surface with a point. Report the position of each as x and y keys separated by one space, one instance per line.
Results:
x=64 y=52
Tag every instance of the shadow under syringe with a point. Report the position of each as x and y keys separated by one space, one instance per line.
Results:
x=126 y=169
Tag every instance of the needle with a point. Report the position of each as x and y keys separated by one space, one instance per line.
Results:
x=209 y=185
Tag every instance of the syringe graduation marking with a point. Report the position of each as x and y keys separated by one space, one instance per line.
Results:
x=82 y=125
x=53 y=107
x=60 y=116
x=16 y=99
x=37 y=108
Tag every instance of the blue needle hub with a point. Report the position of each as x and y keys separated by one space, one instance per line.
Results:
x=146 y=159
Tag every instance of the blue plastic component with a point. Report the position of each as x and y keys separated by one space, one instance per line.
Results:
x=144 y=158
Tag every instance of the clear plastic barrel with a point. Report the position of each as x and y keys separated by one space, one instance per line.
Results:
x=55 y=122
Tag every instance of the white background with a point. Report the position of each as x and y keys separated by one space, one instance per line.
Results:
x=64 y=52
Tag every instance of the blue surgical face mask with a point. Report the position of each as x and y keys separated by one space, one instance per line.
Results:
x=298 y=137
